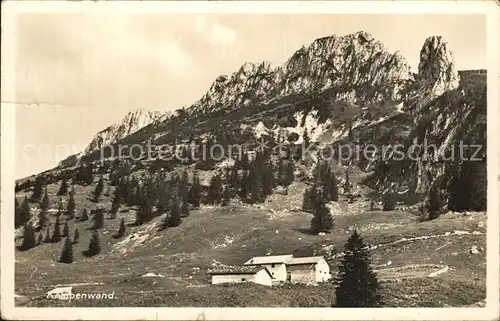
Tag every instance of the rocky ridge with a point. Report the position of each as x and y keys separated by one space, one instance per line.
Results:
x=129 y=124
x=349 y=63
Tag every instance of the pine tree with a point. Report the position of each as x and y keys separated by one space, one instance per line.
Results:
x=67 y=252
x=56 y=235
x=255 y=180
x=233 y=181
x=356 y=284
x=309 y=199
x=37 y=189
x=174 y=216
x=89 y=173
x=42 y=219
x=98 y=218
x=44 y=205
x=84 y=217
x=244 y=185
x=47 y=237
x=215 y=193
x=195 y=192
x=268 y=181
x=65 y=232
x=70 y=209
x=226 y=196
x=98 y=190
x=63 y=190
x=435 y=204
x=29 y=240
x=17 y=214
x=94 y=245
x=389 y=201
x=25 y=211
x=76 y=236
x=39 y=238
x=121 y=230
x=115 y=206
x=347 y=185
x=323 y=219
x=289 y=169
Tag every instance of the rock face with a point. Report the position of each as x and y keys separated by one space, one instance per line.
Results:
x=437 y=69
x=131 y=123
x=350 y=63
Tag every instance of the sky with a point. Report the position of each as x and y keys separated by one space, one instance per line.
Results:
x=88 y=70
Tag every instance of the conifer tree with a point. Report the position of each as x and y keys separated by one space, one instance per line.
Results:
x=289 y=170
x=39 y=238
x=115 y=206
x=65 y=232
x=89 y=174
x=233 y=181
x=244 y=185
x=347 y=185
x=67 y=252
x=76 y=236
x=308 y=201
x=226 y=196
x=255 y=180
x=47 y=237
x=164 y=198
x=268 y=181
x=44 y=205
x=56 y=235
x=174 y=216
x=37 y=189
x=25 y=211
x=63 y=189
x=98 y=218
x=184 y=209
x=195 y=192
x=94 y=245
x=85 y=216
x=42 y=219
x=121 y=230
x=215 y=193
x=356 y=284
x=17 y=214
x=435 y=203
x=29 y=240
x=98 y=190
x=323 y=219
x=70 y=209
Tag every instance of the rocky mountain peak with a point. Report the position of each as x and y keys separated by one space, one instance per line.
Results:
x=348 y=63
x=437 y=69
x=129 y=124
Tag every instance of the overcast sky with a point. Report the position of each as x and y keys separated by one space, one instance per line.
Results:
x=95 y=68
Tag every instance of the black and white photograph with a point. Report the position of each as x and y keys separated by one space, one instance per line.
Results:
x=205 y=155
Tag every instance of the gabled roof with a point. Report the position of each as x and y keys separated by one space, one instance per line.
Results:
x=305 y=260
x=258 y=260
x=230 y=269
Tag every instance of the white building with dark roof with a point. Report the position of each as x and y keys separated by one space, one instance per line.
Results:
x=276 y=265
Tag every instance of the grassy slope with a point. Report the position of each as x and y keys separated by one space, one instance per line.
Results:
x=233 y=234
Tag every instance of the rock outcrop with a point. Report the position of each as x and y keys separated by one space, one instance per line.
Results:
x=437 y=69
x=357 y=65
x=131 y=123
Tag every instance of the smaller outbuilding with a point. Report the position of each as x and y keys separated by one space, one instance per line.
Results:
x=241 y=274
